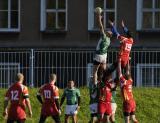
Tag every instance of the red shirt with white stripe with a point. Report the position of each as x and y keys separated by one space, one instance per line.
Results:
x=49 y=92
x=16 y=95
x=125 y=46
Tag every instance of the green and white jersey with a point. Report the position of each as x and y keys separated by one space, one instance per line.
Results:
x=93 y=91
x=113 y=97
x=103 y=45
x=71 y=95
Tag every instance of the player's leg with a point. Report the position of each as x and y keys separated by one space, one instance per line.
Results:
x=106 y=118
x=95 y=70
x=133 y=117
x=56 y=118
x=42 y=119
x=101 y=118
x=114 y=107
x=74 y=118
x=67 y=118
x=94 y=112
x=126 y=117
x=112 y=118
x=94 y=118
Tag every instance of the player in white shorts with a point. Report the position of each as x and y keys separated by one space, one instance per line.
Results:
x=102 y=48
x=72 y=96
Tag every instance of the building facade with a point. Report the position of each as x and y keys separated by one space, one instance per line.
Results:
x=71 y=23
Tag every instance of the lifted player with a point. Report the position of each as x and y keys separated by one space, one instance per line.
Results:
x=125 y=43
x=102 y=47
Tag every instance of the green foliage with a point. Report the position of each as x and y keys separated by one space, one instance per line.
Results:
x=147 y=100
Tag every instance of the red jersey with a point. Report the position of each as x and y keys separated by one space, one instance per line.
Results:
x=125 y=46
x=49 y=92
x=126 y=88
x=105 y=92
x=16 y=94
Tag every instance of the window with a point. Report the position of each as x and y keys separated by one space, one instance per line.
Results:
x=148 y=14
x=53 y=15
x=148 y=75
x=9 y=15
x=109 y=12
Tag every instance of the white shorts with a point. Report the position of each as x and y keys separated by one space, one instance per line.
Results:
x=114 y=107
x=93 y=108
x=71 y=109
x=100 y=58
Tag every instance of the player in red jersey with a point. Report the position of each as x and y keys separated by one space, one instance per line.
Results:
x=48 y=96
x=18 y=96
x=129 y=105
x=126 y=43
x=105 y=94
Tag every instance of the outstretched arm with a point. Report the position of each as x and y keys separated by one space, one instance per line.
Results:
x=100 y=25
x=124 y=27
x=128 y=70
x=119 y=69
x=113 y=29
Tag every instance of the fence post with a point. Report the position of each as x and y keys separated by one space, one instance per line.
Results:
x=31 y=68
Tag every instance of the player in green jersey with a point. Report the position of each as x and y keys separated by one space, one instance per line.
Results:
x=101 y=49
x=93 y=103
x=113 y=102
x=72 y=96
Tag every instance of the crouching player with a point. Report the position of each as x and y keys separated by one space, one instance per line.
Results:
x=129 y=105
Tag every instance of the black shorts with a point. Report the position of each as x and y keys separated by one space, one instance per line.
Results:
x=96 y=62
x=128 y=113
x=94 y=115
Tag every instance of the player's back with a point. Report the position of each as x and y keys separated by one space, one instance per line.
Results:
x=126 y=89
x=49 y=92
x=125 y=46
x=15 y=93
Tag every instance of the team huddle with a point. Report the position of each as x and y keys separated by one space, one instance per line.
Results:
x=103 y=87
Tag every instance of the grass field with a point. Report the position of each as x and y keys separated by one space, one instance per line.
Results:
x=147 y=99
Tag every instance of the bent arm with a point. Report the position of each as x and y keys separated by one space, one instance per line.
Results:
x=39 y=98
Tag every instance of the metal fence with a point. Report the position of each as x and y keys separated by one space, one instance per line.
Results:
x=37 y=64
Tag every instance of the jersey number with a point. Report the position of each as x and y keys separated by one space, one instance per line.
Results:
x=128 y=47
x=47 y=94
x=14 y=95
